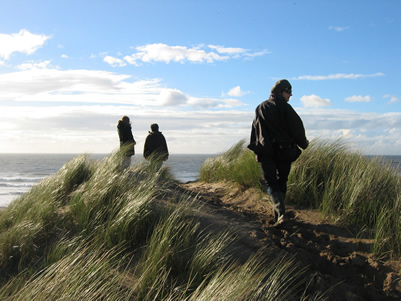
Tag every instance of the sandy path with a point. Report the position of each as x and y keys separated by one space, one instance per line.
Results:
x=337 y=258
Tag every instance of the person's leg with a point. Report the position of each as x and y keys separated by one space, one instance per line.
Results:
x=283 y=170
x=269 y=169
x=126 y=162
x=156 y=164
x=278 y=205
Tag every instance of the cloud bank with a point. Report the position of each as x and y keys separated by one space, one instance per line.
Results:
x=79 y=108
x=37 y=83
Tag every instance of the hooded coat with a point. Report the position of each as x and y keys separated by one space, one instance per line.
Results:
x=155 y=146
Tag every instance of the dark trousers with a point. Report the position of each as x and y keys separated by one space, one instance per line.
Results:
x=275 y=175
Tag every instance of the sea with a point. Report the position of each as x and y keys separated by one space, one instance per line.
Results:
x=20 y=172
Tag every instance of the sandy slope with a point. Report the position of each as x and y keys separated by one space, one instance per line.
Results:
x=336 y=258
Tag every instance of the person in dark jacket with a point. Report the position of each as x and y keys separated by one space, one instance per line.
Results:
x=277 y=133
x=155 y=149
x=127 y=141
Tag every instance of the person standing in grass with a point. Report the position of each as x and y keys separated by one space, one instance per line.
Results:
x=155 y=149
x=127 y=141
x=277 y=131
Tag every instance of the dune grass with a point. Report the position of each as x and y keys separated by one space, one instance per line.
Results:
x=351 y=189
x=94 y=231
x=237 y=165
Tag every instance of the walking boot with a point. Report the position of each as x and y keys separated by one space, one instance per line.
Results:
x=278 y=208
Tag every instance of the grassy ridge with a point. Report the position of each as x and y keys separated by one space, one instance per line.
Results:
x=237 y=165
x=351 y=188
x=96 y=232
x=348 y=187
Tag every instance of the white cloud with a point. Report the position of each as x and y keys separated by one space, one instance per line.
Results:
x=203 y=104
x=329 y=119
x=160 y=52
x=132 y=59
x=229 y=103
x=33 y=65
x=88 y=86
x=337 y=76
x=315 y=101
x=24 y=42
x=259 y=53
x=64 y=56
x=228 y=50
x=114 y=61
x=36 y=83
x=338 y=28
x=175 y=97
x=237 y=92
x=172 y=97
x=210 y=103
x=369 y=133
x=359 y=98
x=393 y=99
x=92 y=128
x=164 y=53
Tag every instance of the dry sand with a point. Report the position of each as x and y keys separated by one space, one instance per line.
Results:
x=336 y=258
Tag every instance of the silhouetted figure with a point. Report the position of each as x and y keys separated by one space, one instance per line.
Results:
x=277 y=131
x=155 y=149
x=127 y=141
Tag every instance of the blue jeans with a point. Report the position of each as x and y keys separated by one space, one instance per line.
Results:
x=275 y=174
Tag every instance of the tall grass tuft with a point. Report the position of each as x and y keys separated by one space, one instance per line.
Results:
x=95 y=231
x=31 y=222
x=84 y=274
x=115 y=204
x=281 y=280
x=351 y=188
x=237 y=165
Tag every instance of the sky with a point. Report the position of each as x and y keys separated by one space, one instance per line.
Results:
x=69 y=70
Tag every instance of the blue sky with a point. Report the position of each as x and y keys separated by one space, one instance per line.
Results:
x=70 y=69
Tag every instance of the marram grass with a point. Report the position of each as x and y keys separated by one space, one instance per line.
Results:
x=352 y=189
x=94 y=231
x=237 y=165
x=347 y=187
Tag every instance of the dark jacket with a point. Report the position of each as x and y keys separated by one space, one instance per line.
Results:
x=125 y=135
x=276 y=120
x=155 y=147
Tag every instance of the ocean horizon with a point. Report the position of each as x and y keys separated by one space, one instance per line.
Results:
x=20 y=172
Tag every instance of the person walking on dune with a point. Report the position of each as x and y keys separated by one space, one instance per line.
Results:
x=127 y=141
x=277 y=133
x=155 y=149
